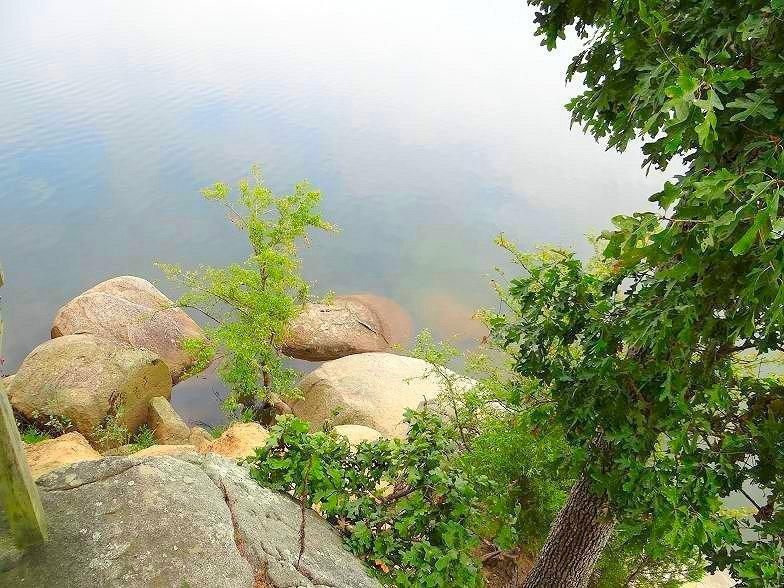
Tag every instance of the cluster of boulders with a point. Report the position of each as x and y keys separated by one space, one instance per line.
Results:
x=182 y=512
x=131 y=311
x=115 y=353
x=117 y=350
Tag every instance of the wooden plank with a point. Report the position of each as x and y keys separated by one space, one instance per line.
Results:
x=18 y=493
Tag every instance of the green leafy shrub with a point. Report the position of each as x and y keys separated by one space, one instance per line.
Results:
x=50 y=423
x=32 y=435
x=401 y=506
x=646 y=355
x=484 y=471
x=143 y=438
x=643 y=561
x=250 y=303
x=525 y=479
x=522 y=471
x=111 y=432
x=218 y=430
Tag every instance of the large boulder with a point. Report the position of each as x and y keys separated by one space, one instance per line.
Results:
x=356 y=434
x=192 y=520
x=133 y=311
x=370 y=389
x=84 y=378
x=167 y=426
x=239 y=441
x=55 y=453
x=359 y=323
x=165 y=450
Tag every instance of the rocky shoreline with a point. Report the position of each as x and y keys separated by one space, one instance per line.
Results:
x=116 y=353
x=179 y=511
x=114 y=358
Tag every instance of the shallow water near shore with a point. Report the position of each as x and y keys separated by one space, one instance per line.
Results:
x=428 y=127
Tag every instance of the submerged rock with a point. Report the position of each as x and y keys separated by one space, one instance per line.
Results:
x=359 y=323
x=84 y=378
x=192 y=520
x=52 y=454
x=370 y=389
x=131 y=310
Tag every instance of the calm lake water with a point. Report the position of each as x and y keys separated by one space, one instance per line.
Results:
x=429 y=127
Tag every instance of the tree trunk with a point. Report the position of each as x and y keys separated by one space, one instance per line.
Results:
x=576 y=540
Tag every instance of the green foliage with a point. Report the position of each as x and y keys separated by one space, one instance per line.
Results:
x=627 y=566
x=32 y=435
x=683 y=421
x=111 y=432
x=250 y=303
x=218 y=430
x=646 y=350
x=522 y=471
x=521 y=474
x=142 y=439
x=49 y=422
x=636 y=558
x=402 y=506
x=474 y=464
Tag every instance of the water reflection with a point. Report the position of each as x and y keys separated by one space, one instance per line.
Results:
x=428 y=126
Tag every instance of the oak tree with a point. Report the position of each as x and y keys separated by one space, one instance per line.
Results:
x=651 y=359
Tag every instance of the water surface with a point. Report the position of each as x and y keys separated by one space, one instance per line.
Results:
x=429 y=127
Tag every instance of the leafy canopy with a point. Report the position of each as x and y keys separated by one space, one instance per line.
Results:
x=644 y=346
x=250 y=303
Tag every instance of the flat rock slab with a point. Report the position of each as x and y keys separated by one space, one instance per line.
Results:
x=192 y=520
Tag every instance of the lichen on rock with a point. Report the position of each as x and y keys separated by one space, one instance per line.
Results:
x=191 y=520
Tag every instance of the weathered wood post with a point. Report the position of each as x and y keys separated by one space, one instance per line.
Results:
x=18 y=493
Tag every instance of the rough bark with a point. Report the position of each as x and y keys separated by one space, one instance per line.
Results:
x=576 y=540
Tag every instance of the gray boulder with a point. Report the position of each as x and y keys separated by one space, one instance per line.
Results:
x=192 y=520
